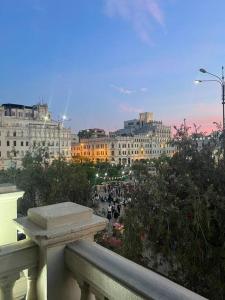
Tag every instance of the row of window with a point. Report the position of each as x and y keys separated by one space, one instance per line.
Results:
x=95 y=154
x=143 y=152
x=11 y=154
x=37 y=134
x=43 y=143
x=98 y=146
x=138 y=146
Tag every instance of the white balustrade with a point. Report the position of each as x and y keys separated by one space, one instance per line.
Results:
x=15 y=258
x=61 y=261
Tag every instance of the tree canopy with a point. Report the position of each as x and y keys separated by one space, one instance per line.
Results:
x=180 y=212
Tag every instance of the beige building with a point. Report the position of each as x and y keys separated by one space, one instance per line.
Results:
x=140 y=139
x=25 y=128
x=122 y=150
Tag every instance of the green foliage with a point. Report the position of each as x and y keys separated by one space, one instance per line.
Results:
x=182 y=212
x=46 y=183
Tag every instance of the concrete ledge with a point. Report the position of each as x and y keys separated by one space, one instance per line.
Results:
x=58 y=215
x=17 y=257
x=60 y=223
x=119 y=278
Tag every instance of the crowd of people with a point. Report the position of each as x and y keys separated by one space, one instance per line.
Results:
x=117 y=197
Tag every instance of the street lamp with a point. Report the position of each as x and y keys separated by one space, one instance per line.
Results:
x=221 y=81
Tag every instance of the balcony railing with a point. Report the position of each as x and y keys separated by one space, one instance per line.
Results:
x=18 y=265
x=108 y=275
x=65 y=264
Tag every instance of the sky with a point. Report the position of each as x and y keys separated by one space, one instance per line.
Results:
x=101 y=62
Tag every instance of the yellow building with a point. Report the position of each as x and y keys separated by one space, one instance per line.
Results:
x=93 y=149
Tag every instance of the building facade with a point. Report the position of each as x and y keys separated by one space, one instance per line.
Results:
x=140 y=139
x=26 y=128
x=120 y=150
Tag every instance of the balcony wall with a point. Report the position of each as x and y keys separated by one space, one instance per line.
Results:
x=61 y=262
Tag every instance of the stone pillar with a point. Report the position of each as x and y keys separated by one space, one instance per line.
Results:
x=7 y=284
x=52 y=228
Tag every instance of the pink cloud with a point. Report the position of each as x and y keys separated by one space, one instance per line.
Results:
x=139 y=13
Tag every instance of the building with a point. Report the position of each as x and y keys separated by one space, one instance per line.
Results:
x=144 y=125
x=140 y=139
x=91 y=133
x=9 y=195
x=121 y=149
x=26 y=128
x=92 y=149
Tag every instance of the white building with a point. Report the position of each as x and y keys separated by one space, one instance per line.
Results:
x=25 y=128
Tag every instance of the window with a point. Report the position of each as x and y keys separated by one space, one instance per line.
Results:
x=14 y=133
x=27 y=143
x=8 y=143
x=14 y=143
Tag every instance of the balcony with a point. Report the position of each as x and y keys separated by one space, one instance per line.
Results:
x=61 y=261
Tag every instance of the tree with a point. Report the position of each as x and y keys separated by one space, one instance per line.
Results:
x=46 y=183
x=182 y=213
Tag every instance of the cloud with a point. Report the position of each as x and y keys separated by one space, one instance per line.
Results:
x=143 y=90
x=126 y=91
x=139 y=13
x=122 y=90
x=125 y=107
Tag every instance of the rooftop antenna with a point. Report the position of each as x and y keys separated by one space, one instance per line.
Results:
x=223 y=72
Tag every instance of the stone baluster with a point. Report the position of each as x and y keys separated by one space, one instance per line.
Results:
x=85 y=291
x=7 y=284
x=97 y=294
x=31 y=275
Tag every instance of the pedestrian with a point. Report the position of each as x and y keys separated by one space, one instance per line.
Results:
x=118 y=208
x=116 y=215
x=113 y=209
x=109 y=212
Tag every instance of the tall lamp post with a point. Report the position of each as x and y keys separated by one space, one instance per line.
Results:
x=221 y=81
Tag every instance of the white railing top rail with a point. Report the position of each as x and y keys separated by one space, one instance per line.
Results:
x=17 y=257
x=115 y=276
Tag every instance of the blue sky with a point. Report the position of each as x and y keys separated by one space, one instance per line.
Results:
x=104 y=61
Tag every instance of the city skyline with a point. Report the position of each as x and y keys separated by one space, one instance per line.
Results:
x=102 y=62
